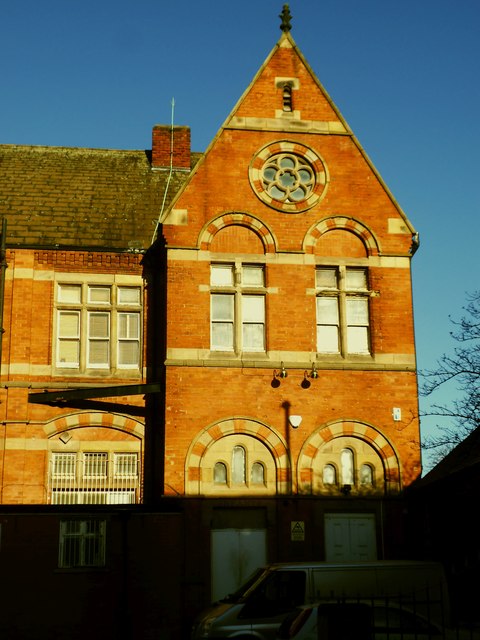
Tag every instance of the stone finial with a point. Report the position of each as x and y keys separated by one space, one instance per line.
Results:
x=285 y=16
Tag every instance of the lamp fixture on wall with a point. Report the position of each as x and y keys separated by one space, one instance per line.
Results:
x=283 y=373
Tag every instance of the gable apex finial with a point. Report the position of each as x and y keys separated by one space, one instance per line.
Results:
x=286 y=16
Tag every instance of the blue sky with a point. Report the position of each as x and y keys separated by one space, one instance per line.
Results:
x=404 y=74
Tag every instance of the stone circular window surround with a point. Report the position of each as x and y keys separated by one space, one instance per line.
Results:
x=288 y=176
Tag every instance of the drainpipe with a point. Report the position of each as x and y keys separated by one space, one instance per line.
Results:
x=3 y=267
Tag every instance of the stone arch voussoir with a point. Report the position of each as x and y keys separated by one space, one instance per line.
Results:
x=355 y=429
x=237 y=425
x=345 y=223
x=244 y=219
x=94 y=419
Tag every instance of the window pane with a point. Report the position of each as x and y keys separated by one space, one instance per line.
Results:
x=366 y=475
x=238 y=465
x=329 y=474
x=68 y=345
x=253 y=276
x=68 y=353
x=98 y=353
x=69 y=324
x=220 y=473
x=258 y=473
x=70 y=293
x=253 y=308
x=222 y=336
x=356 y=279
x=95 y=464
x=327 y=310
x=357 y=311
x=357 y=340
x=128 y=353
x=222 y=307
x=327 y=339
x=128 y=325
x=326 y=278
x=346 y=459
x=253 y=337
x=100 y=295
x=128 y=295
x=221 y=275
x=98 y=344
x=63 y=464
x=98 y=325
x=125 y=464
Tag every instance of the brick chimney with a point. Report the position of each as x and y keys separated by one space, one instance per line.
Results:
x=162 y=146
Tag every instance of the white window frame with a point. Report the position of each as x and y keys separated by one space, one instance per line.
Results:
x=340 y=294
x=122 y=306
x=239 y=290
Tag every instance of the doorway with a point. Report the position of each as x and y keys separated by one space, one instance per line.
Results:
x=235 y=554
x=350 y=537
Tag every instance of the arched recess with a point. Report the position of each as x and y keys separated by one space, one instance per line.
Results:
x=94 y=458
x=236 y=426
x=352 y=429
x=255 y=225
x=341 y=223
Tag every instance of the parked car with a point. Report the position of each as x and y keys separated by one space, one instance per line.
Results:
x=259 y=607
x=380 y=619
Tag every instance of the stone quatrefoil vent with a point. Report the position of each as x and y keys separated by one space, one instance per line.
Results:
x=288 y=176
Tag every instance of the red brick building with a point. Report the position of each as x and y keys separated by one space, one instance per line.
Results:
x=234 y=328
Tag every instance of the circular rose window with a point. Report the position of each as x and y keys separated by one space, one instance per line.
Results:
x=288 y=176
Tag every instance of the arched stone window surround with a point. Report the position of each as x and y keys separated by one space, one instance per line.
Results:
x=212 y=227
x=247 y=426
x=345 y=223
x=355 y=429
x=94 y=419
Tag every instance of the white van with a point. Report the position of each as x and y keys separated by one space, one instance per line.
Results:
x=258 y=608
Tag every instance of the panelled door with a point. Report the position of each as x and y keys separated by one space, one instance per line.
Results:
x=236 y=553
x=350 y=537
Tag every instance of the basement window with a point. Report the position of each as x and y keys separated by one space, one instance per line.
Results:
x=82 y=544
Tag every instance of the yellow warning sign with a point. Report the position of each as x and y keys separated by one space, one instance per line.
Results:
x=297 y=530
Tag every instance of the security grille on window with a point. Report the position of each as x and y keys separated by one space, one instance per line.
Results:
x=237 y=308
x=342 y=311
x=82 y=544
x=94 y=477
x=98 y=326
x=95 y=465
x=125 y=465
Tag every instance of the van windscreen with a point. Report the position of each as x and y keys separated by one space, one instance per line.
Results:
x=243 y=591
x=277 y=591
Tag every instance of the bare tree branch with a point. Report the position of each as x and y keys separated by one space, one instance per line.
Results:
x=462 y=368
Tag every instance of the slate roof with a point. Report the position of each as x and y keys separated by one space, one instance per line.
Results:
x=97 y=199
